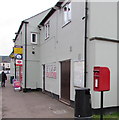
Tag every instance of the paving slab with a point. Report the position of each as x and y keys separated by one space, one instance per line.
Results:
x=0 y=102
x=17 y=104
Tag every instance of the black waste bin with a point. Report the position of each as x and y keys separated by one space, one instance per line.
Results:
x=83 y=103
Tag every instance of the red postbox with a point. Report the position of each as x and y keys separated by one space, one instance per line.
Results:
x=101 y=79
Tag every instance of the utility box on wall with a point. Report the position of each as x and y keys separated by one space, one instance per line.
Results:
x=101 y=79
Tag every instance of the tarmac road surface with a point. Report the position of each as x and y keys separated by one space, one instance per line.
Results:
x=32 y=105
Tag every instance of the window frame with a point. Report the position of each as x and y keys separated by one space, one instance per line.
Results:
x=67 y=15
x=47 y=30
x=35 y=38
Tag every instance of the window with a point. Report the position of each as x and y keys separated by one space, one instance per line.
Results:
x=33 y=38
x=67 y=13
x=47 y=30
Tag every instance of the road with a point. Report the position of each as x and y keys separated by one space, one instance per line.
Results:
x=32 y=105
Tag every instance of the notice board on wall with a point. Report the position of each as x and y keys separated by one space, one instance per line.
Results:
x=50 y=70
x=78 y=73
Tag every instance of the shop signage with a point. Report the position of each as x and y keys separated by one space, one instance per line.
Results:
x=51 y=70
x=18 y=50
x=12 y=55
x=19 y=62
x=19 y=56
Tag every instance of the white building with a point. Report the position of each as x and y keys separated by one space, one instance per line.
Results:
x=68 y=39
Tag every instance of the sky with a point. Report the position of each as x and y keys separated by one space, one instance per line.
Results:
x=12 y=12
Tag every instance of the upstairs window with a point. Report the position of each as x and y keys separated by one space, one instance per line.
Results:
x=47 y=30
x=33 y=38
x=67 y=13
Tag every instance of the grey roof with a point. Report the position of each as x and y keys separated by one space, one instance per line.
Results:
x=51 y=12
x=25 y=21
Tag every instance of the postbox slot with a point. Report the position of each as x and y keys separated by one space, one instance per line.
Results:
x=96 y=71
x=96 y=76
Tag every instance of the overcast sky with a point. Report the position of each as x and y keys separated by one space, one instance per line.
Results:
x=12 y=12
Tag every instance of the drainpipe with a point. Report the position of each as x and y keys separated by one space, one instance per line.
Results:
x=15 y=67
x=85 y=44
x=25 y=58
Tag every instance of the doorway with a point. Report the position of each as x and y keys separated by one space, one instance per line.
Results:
x=43 y=77
x=65 y=81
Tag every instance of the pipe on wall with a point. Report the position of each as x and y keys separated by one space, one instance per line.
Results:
x=25 y=59
x=15 y=67
x=85 y=43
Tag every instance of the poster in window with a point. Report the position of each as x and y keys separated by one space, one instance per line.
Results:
x=79 y=74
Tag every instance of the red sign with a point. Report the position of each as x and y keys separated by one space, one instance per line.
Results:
x=21 y=72
x=17 y=84
x=51 y=71
x=19 y=62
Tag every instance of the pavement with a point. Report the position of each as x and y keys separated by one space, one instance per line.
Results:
x=0 y=103
x=33 y=104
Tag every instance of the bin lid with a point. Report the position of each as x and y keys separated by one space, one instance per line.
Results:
x=83 y=89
